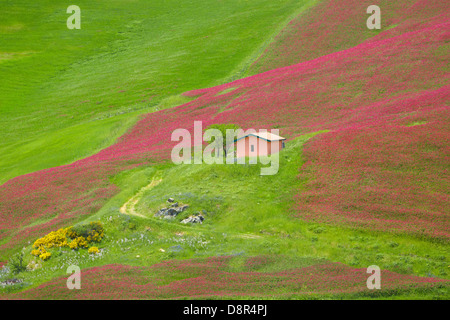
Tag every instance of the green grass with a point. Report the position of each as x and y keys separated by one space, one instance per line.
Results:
x=246 y=215
x=416 y=123
x=68 y=93
x=256 y=213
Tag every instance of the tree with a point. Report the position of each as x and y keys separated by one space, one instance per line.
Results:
x=16 y=263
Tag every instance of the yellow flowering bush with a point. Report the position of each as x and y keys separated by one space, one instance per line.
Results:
x=79 y=242
x=71 y=234
x=93 y=250
x=73 y=245
x=71 y=237
x=37 y=252
x=45 y=255
x=95 y=236
x=53 y=239
x=93 y=232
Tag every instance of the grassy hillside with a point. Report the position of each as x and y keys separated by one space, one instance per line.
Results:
x=336 y=92
x=333 y=26
x=234 y=277
x=361 y=182
x=68 y=93
x=251 y=233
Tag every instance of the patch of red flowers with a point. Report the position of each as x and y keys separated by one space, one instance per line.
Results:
x=213 y=277
x=369 y=171
x=388 y=176
x=335 y=25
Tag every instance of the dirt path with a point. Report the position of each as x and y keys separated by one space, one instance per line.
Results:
x=129 y=206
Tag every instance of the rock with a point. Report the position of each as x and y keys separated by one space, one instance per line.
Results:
x=170 y=200
x=160 y=212
x=9 y=282
x=187 y=220
x=194 y=219
x=172 y=211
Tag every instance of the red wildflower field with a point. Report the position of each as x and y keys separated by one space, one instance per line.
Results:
x=337 y=25
x=387 y=176
x=373 y=89
x=213 y=278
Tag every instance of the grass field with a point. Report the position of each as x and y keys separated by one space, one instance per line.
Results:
x=247 y=216
x=235 y=277
x=336 y=27
x=361 y=180
x=68 y=93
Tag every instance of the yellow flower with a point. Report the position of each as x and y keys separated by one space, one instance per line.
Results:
x=61 y=238
x=93 y=250
x=73 y=244
x=45 y=255
x=82 y=242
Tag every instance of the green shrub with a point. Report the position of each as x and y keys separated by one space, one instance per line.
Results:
x=86 y=230
x=17 y=264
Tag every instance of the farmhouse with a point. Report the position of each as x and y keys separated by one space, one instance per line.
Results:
x=258 y=144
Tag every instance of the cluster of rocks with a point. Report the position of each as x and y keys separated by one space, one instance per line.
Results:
x=10 y=282
x=174 y=209
x=194 y=219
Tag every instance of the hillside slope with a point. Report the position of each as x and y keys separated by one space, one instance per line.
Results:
x=66 y=94
x=214 y=277
x=379 y=167
x=332 y=26
x=369 y=86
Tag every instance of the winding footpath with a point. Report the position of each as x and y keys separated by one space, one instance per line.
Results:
x=130 y=205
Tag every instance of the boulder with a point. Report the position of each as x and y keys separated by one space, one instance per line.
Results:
x=193 y=219
x=170 y=200
x=9 y=282
x=172 y=211
x=160 y=212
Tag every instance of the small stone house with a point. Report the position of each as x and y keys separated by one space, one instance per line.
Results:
x=259 y=144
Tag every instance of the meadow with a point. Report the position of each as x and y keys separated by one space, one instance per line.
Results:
x=220 y=277
x=251 y=227
x=337 y=27
x=66 y=94
x=361 y=182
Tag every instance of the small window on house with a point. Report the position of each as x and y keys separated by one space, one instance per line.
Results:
x=252 y=148
x=282 y=145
